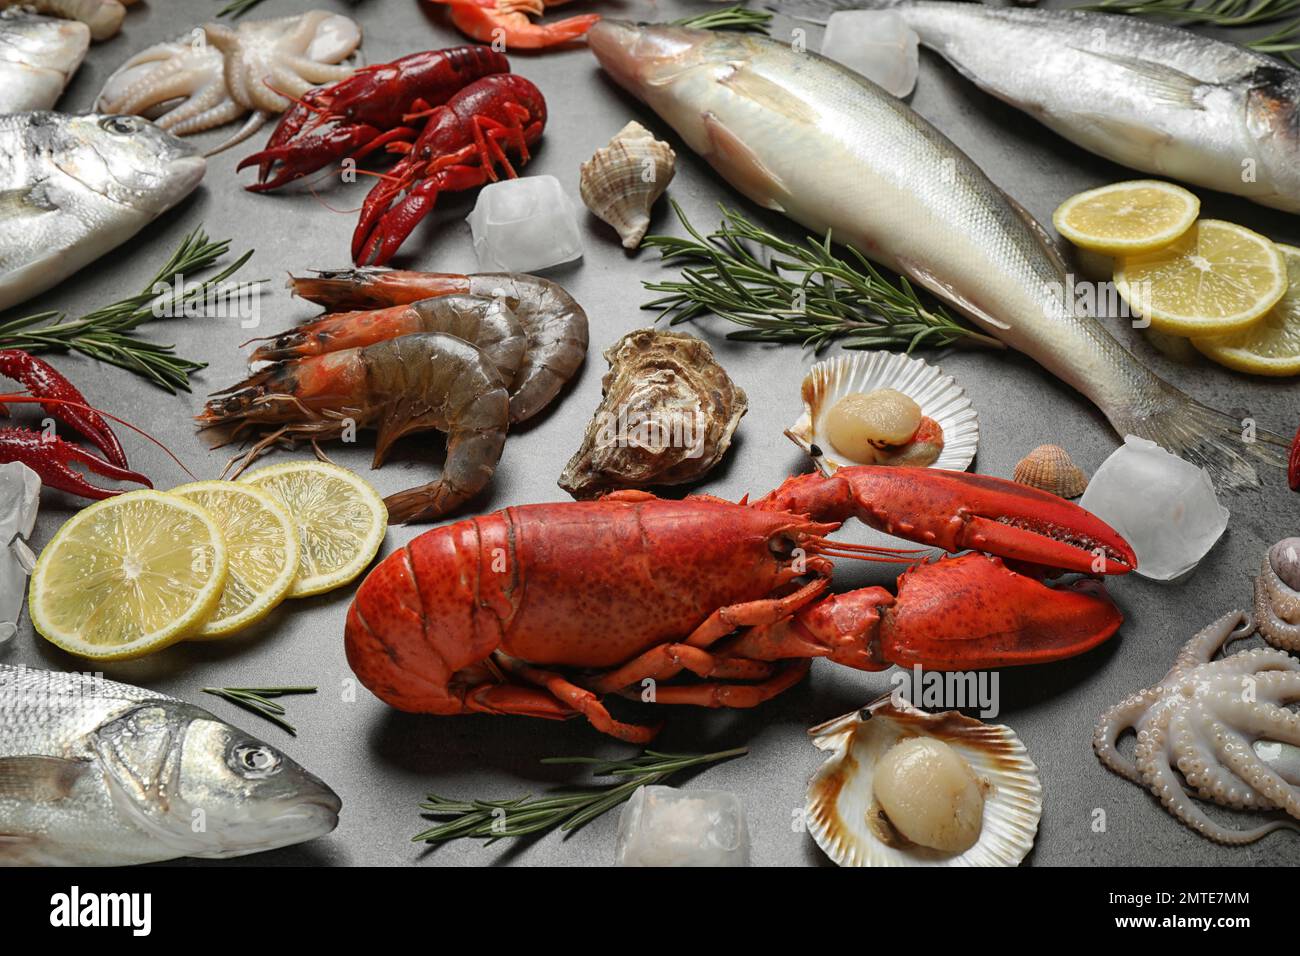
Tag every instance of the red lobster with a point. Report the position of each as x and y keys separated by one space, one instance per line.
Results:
x=48 y=455
x=378 y=105
x=460 y=148
x=539 y=610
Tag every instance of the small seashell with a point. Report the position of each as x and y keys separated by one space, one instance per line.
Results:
x=941 y=399
x=845 y=816
x=622 y=180
x=1049 y=468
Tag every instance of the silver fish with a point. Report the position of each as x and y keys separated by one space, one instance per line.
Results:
x=1147 y=95
x=805 y=136
x=103 y=17
x=97 y=773
x=38 y=55
x=74 y=187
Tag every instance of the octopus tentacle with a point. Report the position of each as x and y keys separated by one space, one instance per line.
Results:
x=183 y=119
x=1200 y=761
x=1111 y=727
x=1207 y=642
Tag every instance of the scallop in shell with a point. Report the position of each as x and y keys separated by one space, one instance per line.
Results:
x=938 y=395
x=1277 y=595
x=1049 y=468
x=845 y=816
x=622 y=181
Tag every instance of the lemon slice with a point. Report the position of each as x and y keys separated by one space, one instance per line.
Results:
x=261 y=546
x=1214 y=279
x=1272 y=345
x=341 y=520
x=128 y=575
x=1127 y=218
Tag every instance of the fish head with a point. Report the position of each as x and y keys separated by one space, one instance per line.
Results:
x=126 y=159
x=206 y=789
x=1273 y=121
x=641 y=57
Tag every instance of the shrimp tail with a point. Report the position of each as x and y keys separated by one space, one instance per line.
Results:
x=370 y=288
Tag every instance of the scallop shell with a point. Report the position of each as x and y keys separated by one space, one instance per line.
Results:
x=1049 y=468
x=939 y=396
x=1277 y=595
x=840 y=794
x=622 y=180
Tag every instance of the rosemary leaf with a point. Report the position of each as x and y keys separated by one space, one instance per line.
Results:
x=738 y=17
x=258 y=701
x=568 y=809
x=108 y=333
x=802 y=293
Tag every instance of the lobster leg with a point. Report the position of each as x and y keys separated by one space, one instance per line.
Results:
x=734 y=695
x=580 y=700
x=668 y=660
x=50 y=458
x=958 y=511
x=726 y=620
x=42 y=380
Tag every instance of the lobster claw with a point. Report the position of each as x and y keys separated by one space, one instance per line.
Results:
x=957 y=511
x=973 y=612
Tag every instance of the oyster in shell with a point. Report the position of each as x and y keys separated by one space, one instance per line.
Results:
x=667 y=417
x=939 y=396
x=844 y=811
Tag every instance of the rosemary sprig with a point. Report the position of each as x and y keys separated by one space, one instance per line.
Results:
x=568 y=809
x=1284 y=42
x=802 y=293
x=107 y=334
x=258 y=700
x=237 y=8
x=738 y=17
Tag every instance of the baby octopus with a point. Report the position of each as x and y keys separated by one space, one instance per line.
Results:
x=1221 y=726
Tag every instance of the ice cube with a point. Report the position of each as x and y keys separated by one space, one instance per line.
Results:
x=876 y=43
x=1163 y=506
x=521 y=225
x=20 y=495
x=664 y=826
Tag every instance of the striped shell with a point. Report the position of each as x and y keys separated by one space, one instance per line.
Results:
x=939 y=396
x=841 y=793
x=1049 y=468
x=622 y=180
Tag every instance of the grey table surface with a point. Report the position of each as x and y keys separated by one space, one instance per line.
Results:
x=383 y=762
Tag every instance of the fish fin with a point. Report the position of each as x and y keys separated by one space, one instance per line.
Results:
x=1049 y=244
x=1161 y=82
x=945 y=291
x=742 y=167
x=26 y=203
x=37 y=779
x=1206 y=437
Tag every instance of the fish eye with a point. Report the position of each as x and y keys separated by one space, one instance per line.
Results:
x=256 y=762
x=119 y=125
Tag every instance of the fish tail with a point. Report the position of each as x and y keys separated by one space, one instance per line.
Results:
x=1226 y=446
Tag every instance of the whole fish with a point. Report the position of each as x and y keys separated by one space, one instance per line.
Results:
x=103 y=17
x=805 y=136
x=97 y=773
x=74 y=187
x=1147 y=95
x=38 y=55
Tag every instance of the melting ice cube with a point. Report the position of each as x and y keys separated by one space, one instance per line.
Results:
x=20 y=493
x=1163 y=506
x=664 y=826
x=520 y=225
x=876 y=43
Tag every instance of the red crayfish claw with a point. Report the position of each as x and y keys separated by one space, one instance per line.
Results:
x=68 y=405
x=50 y=457
x=957 y=511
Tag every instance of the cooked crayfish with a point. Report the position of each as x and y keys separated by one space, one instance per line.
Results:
x=422 y=382
x=460 y=147
x=540 y=609
x=378 y=105
x=506 y=22
x=392 y=303
x=48 y=455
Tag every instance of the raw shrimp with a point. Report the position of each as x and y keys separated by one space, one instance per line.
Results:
x=489 y=323
x=420 y=382
x=555 y=323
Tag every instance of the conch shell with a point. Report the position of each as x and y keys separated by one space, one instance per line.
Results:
x=667 y=417
x=1277 y=595
x=1049 y=468
x=622 y=181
